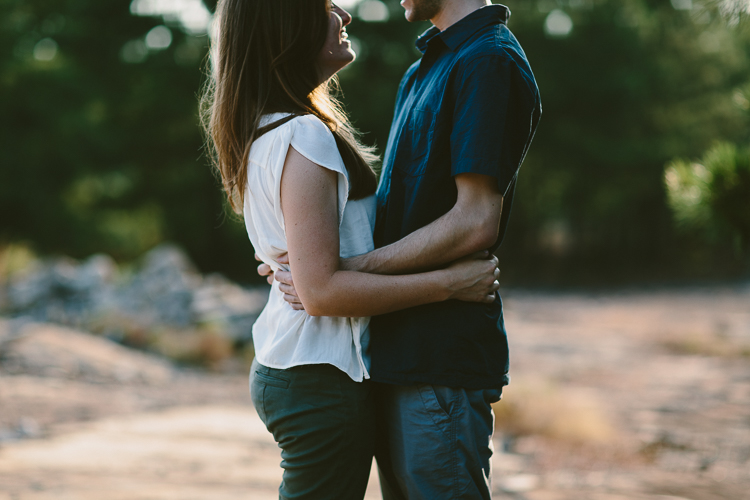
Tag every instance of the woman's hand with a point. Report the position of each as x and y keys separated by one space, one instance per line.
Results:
x=474 y=278
x=265 y=270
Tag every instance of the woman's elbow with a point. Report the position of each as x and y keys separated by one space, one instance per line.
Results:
x=320 y=295
x=316 y=303
x=314 y=310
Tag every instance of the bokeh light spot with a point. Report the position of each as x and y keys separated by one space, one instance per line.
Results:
x=558 y=24
x=347 y=4
x=373 y=11
x=159 y=38
x=192 y=15
x=134 y=51
x=45 y=49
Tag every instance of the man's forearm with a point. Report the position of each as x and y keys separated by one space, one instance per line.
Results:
x=456 y=234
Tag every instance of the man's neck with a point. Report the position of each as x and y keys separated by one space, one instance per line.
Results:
x=455 y=10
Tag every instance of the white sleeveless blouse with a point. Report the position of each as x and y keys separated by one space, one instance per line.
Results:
x=282 y=336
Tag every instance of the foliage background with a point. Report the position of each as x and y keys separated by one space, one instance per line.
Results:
x=102 y=152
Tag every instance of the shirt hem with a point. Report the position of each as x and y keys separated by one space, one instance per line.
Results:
x=464 y=382
x=284 y=366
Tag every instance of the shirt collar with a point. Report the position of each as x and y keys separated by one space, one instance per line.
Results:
x=457 y=33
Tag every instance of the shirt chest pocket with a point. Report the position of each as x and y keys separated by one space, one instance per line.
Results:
x=416 y=143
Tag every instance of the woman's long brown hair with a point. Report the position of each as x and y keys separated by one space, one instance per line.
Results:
x=264 y=61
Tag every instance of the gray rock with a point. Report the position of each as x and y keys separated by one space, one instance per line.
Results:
x=52 y=351
x=219 y=301
x=164 y=291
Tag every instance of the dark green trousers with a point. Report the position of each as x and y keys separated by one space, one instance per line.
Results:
x=324 y=424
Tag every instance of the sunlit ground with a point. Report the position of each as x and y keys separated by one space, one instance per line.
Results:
x=639 y=395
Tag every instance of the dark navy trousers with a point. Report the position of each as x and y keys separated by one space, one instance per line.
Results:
x=434 y=442
x=431 y=442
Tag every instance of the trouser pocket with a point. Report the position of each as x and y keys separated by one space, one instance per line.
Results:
x=268 y=379
x=262 y=377
x=438 y=411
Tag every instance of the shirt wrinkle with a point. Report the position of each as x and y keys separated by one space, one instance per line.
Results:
x=283 y=337
x=471 y=109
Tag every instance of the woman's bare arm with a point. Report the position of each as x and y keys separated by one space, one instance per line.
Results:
x=309 y=204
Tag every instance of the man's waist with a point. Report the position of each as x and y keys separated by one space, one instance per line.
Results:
x=442 y=314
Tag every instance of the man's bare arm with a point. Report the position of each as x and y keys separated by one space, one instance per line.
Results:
x=472 y=225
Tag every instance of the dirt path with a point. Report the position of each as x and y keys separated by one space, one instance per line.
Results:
x=216 y=452
x=641 y=396
x=645 y=393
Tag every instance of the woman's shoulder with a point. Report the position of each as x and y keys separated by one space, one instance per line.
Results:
x=312 y=128
x=307 y=134
x=314 y=140
x=286 y=120
x=301 y=130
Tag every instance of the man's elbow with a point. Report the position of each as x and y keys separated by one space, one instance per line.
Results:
x=483 y=234
x=478 y=209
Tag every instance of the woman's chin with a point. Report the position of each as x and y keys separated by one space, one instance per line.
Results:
x=330 y=70
x=347 y=58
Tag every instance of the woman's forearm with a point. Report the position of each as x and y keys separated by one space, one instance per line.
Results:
x=309 y=198
x=349 y=293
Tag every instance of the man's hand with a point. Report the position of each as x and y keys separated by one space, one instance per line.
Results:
x=475 y=278
x=286 y=283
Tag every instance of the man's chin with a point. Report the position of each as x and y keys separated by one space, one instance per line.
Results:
x=422 y=10
x=412 y=16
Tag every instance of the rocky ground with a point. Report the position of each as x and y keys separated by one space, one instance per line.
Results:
x=633 y=395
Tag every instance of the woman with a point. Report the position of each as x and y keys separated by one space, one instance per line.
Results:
x=290 y=160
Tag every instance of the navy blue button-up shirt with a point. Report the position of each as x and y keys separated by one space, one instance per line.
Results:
x=469 y=105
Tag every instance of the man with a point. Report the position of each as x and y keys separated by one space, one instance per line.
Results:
x=464 y=118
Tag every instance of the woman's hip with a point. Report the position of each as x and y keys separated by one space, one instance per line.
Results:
x=324 y=423
x=319 y=394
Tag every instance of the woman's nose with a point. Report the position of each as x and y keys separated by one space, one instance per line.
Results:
x=346 y=18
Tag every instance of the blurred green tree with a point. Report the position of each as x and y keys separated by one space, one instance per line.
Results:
x=713 y=195
x=102 y=150
x=626 y=85
x=100 y=137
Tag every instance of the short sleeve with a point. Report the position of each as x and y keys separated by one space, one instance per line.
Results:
x=492 y=118
x=312 y=139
